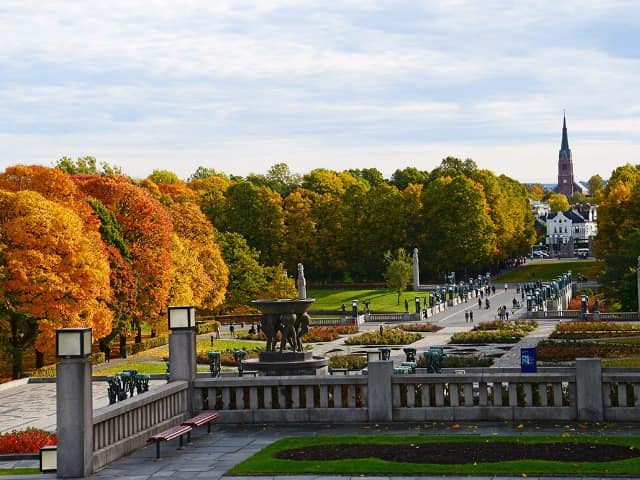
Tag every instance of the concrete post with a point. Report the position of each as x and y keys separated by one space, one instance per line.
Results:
x=379 y=387
x=589 y=389
x=74 y=410
x=182 y=355
x=638 y=285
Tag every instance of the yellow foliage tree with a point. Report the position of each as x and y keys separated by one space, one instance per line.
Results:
x=51 y=269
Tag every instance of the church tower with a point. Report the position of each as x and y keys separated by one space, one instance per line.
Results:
x=565 y=165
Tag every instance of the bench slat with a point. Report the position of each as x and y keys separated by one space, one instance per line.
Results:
x=201 y=419
x=170 y=433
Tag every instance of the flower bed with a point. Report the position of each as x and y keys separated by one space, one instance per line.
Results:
x=496 y=331
x=25 y=441
x=580 y=330
x=352 y=362
x=390 y=336
x=568 y=350
x=420 y=327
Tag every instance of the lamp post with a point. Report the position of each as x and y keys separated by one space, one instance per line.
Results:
x=74 y=403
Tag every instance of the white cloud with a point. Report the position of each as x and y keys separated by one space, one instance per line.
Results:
x=249 y=83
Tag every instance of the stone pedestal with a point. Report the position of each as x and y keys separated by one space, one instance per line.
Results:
x=74 y=410
x=288 y=364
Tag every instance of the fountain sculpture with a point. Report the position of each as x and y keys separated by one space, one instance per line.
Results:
x=290 y=317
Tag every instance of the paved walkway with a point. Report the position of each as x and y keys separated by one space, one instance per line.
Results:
x=211 y=456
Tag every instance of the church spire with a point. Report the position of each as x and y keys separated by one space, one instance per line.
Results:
x=565 y=139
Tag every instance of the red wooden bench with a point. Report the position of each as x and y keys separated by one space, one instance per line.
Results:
x=169 y=434
x=199 y=420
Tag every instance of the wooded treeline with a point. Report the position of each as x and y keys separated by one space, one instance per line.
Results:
x=83 y=245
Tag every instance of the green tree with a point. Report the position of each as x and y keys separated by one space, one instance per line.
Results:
x=558 y=203
x=247 y=278
x=87 y=165
x=460 y=233
x=256 y=213
x=402 y=178
x=164 y=176
x=596 y=186
x=399 y=270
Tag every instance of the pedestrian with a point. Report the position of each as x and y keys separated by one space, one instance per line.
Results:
x=381 y=331
x=480 y=303
x=471 y=316
x=506 y=314
x=506 y=285
x=466 y=316
x=493 y=289
x=107 y=353
x=231 y=330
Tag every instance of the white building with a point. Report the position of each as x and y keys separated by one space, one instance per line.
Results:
x=572 y=230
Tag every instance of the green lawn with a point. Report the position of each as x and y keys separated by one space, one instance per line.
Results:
x=382 y=300
x=19 y=471
x=550 y=269
x=265 y=462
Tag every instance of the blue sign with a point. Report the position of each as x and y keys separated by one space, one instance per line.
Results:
x=528 y=360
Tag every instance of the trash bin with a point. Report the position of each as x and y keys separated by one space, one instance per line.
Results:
x=528 y=360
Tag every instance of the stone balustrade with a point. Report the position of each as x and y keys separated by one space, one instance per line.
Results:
x=584 y=393
x=120 y=428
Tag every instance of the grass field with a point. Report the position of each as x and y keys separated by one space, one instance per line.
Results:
x=550 y=269
x=265 y=462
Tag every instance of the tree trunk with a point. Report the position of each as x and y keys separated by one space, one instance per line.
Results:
x=16 y=364
x=123 y=346
x=39 y=359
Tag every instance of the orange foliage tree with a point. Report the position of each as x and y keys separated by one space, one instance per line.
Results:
x=146 y=232
x=53 y=274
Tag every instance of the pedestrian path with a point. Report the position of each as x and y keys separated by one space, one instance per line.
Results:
x=210 y=456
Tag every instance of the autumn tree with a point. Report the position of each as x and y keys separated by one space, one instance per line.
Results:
x=618 y=240
x=53 y=274
x=558 y=203
x=399 y=270
x=147 y=231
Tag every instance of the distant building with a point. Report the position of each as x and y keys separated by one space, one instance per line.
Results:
x=572 y=232
x=539 y=209
x=566 y=183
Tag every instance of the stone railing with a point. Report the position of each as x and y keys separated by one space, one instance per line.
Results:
x=584 y=393
x=307 y=399
x=578 y=315
x=123 y=427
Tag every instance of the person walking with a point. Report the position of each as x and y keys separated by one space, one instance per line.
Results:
x=466 y=316
x=231 y=330
x=480 y=303
x=471 y=316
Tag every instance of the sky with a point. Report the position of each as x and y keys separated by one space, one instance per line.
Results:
x=240 y=86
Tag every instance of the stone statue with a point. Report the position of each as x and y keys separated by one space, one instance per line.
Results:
x=301 y=283
x=270 y=325
x=288 y=331
x=416 y=270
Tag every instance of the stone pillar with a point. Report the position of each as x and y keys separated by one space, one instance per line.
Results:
x=589 y=390
x=416 y=271
x=182 y=355
x=638 y=285
x=74 y=410
x=379 y=390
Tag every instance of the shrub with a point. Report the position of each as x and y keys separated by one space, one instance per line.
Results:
x=207 y=327
x=490 y=336
x=158 y=341
x=48 y=371
x=25 y=441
